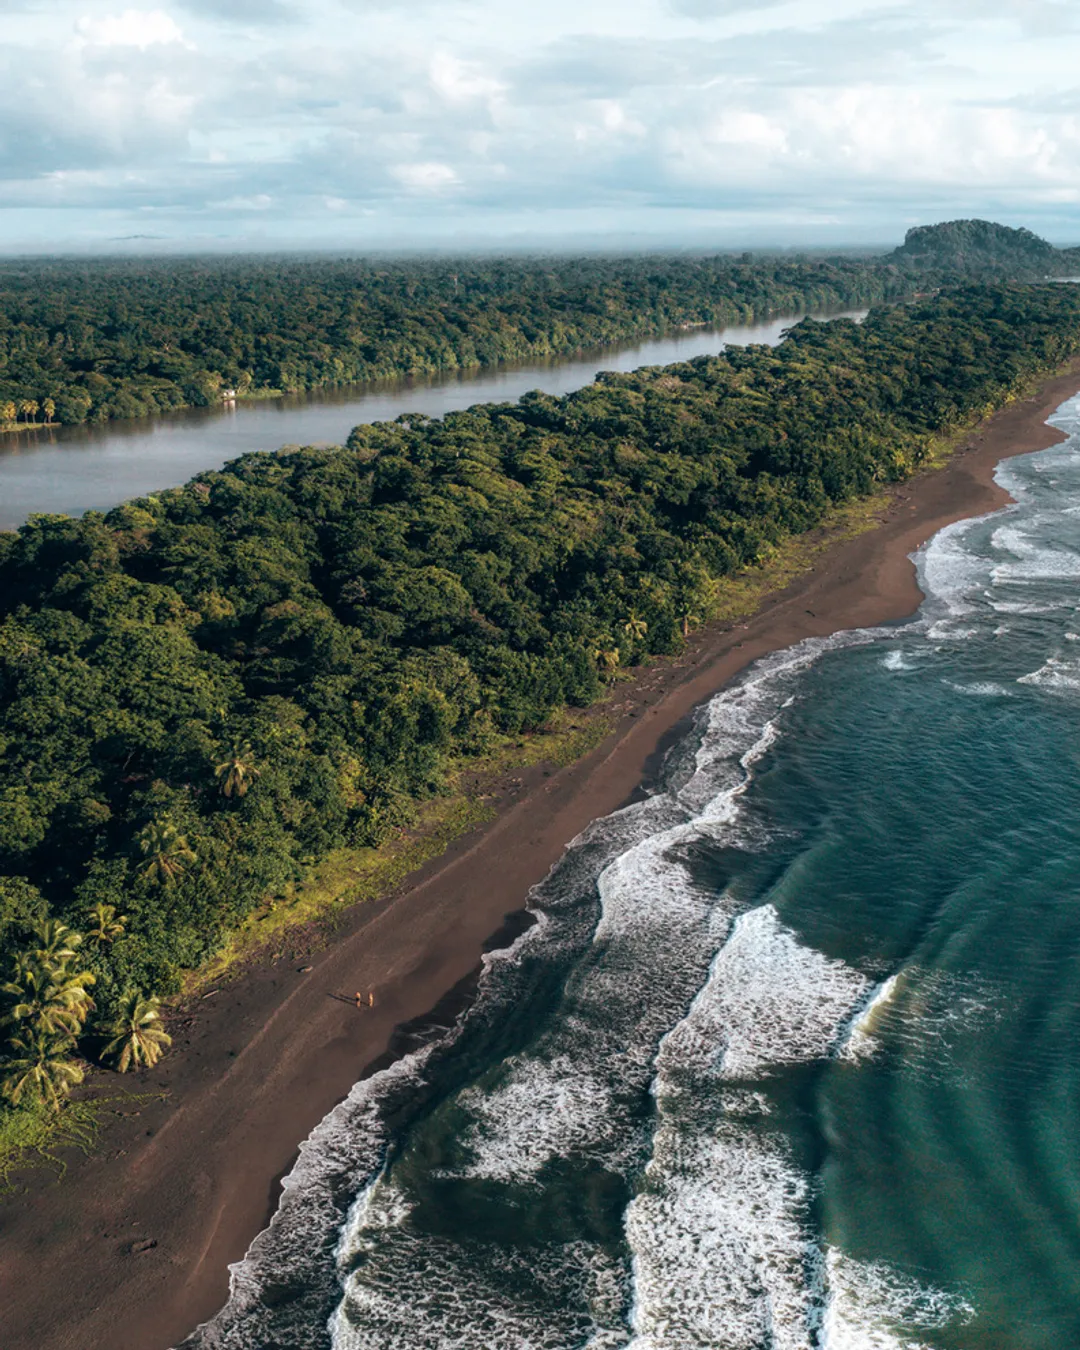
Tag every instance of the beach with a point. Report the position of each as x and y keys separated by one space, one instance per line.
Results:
x=131 y=1250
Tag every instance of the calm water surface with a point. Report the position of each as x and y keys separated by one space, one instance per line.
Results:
x=76 y=469
x=790 y=1058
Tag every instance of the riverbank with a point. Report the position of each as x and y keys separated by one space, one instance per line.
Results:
x=96 y=466
x=131 y=1251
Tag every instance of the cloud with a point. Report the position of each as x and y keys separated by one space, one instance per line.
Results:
x=720 y=9
x=605 y=110
x=426 y=178
x=245 y=11
x=1040 y=18
x=133 y=28
x=829 y=54
x=259 y=202
x=459 y=81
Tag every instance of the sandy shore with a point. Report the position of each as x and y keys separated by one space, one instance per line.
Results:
x=257 y=1065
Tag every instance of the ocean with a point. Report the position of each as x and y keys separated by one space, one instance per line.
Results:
x=789 y=1057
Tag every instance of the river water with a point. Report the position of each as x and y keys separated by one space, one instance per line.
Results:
x=76 y=469
x=788 y=1059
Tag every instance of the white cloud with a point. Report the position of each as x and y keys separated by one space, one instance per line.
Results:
x=617 y=112
x=259 y=202
x=140 y=28
x=459 y=81
x=427 y=177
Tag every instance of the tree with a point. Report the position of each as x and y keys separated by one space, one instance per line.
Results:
x=607 y=660
x=635 y=626
x=56 y=942
x=50 y=999
x=8 y=411
x=238 y=772
x=49 y=408
x=138 y=1036
x=105 y=923
x=39 y=1069
x=166 y=851
x=21 y=907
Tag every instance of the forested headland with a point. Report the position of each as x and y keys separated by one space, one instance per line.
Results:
x=204 y=692
x=981 y=249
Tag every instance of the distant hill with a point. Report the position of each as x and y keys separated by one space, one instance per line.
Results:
x=981 y=248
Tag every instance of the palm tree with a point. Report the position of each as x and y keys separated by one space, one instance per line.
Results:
x=166 y=851
x=57 y=943
x=105 y=923
x=237 y=773
x=138 y=1036
x=49 y=409
x=49 y=998
x=607 y=658
x=635 y=626
x=38 y=1069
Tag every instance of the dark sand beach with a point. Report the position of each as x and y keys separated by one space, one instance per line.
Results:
x=131 y=1250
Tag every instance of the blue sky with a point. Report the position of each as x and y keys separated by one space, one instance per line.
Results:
x=357 y=124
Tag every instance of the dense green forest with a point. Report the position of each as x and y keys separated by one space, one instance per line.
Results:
x=90 y=341
x=205 y=691
x=979 y=248
x=99 y=340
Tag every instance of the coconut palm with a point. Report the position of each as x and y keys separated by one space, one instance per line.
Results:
x=49 y=998
x=138 y=1036
x=635 y=626
x=105 y=923
x=238 y=772
x=56 y=942
x=166 y=852
x=38 y=1069
x=607 y=659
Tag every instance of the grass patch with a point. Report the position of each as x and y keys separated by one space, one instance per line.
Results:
x=346 y=877
x=33 y=1137
x=740 y=596
x=569 y=735
x=351 y=876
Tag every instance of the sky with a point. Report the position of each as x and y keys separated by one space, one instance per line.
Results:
x=183 y=125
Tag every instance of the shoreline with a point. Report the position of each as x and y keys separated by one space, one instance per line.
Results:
x=259 y=1062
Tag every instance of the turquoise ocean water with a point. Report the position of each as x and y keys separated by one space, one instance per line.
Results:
x=790 y=1058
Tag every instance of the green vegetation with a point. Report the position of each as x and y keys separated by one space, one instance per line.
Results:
x=114 y=339
x=208 y=696
x=92 y=341
x=138 y=1038
x=979 y=248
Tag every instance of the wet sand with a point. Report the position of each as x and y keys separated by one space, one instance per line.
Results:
x=130 y=1251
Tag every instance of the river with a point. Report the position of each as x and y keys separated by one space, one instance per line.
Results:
x=93 y=468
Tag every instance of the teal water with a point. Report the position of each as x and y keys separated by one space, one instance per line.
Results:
x=790 y=1057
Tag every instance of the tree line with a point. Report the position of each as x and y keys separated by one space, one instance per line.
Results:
x=205 y=691
x=112 y=339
